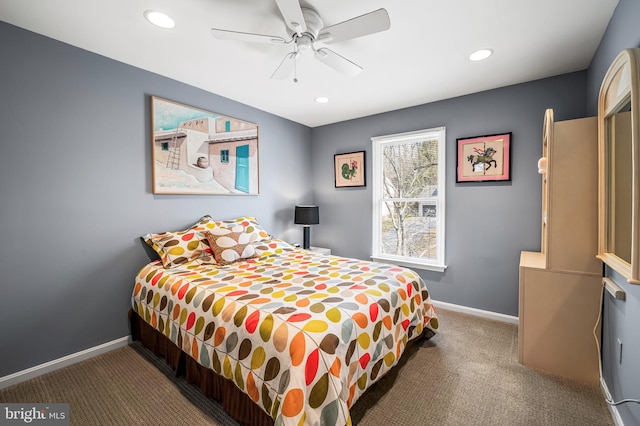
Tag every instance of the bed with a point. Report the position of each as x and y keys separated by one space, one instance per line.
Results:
x=282 y=335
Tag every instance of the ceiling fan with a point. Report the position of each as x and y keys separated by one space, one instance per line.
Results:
x=305 y=28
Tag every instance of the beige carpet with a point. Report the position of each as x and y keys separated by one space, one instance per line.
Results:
x=468 y=374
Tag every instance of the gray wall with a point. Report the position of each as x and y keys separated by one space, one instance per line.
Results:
x=620 y=318
x=75 y=191
x=487 y=224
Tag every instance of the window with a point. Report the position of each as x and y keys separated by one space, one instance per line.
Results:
x=164 y=146
x=408 y=198
x=224 y=155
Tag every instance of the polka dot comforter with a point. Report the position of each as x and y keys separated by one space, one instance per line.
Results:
x=302 y=334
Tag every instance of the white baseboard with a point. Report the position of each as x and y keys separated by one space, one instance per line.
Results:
x=476 y=312
x=65 y=361
x=615 y=414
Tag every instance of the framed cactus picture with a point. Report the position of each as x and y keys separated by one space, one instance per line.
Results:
x=349 y=169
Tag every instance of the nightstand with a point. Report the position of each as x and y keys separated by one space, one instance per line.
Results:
x=320 y=250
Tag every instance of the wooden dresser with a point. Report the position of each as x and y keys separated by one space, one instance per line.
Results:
x=560 y=286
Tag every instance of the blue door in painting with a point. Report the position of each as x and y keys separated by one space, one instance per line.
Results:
x=242 y=168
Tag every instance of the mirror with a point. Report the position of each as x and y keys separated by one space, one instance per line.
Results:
x=618 y=156
x=619 y=174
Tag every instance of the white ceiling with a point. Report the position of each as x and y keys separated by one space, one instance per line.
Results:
x=422 y=58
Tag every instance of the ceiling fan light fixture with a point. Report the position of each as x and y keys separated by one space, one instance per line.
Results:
x=322 y=99
x=480 y=55
x=304 y=42
x=159 y=19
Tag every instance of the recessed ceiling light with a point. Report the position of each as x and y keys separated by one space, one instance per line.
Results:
x=480 y=55
x=159 y=19
x=322 y=100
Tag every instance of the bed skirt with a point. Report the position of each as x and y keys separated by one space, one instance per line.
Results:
x=234 y=402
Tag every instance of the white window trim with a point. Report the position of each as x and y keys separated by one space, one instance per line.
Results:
x=439 y=133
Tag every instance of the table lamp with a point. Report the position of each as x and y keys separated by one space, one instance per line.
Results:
x=306 y=215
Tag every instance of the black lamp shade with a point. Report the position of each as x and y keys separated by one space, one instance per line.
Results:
x=306 y=215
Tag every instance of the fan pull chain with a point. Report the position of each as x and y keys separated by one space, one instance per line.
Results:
x=295 y=63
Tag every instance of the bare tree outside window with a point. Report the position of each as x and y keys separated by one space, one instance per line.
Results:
x=407 y=198
x=410 y=171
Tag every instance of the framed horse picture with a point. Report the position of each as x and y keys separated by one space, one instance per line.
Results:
x=484 y=158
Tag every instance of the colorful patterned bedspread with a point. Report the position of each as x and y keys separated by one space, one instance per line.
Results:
x=303 y=334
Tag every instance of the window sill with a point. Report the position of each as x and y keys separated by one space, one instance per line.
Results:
x=409 y=264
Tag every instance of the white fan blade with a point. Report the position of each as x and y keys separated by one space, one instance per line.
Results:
x=337 y=62
x=369 y=23
x=286 y=66
x=250 y=37
x=292 y=14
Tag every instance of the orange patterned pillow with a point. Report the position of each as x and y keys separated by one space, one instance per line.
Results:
x=229 y=246
x=246 y=224
x=271 y=247
x=176 y=248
